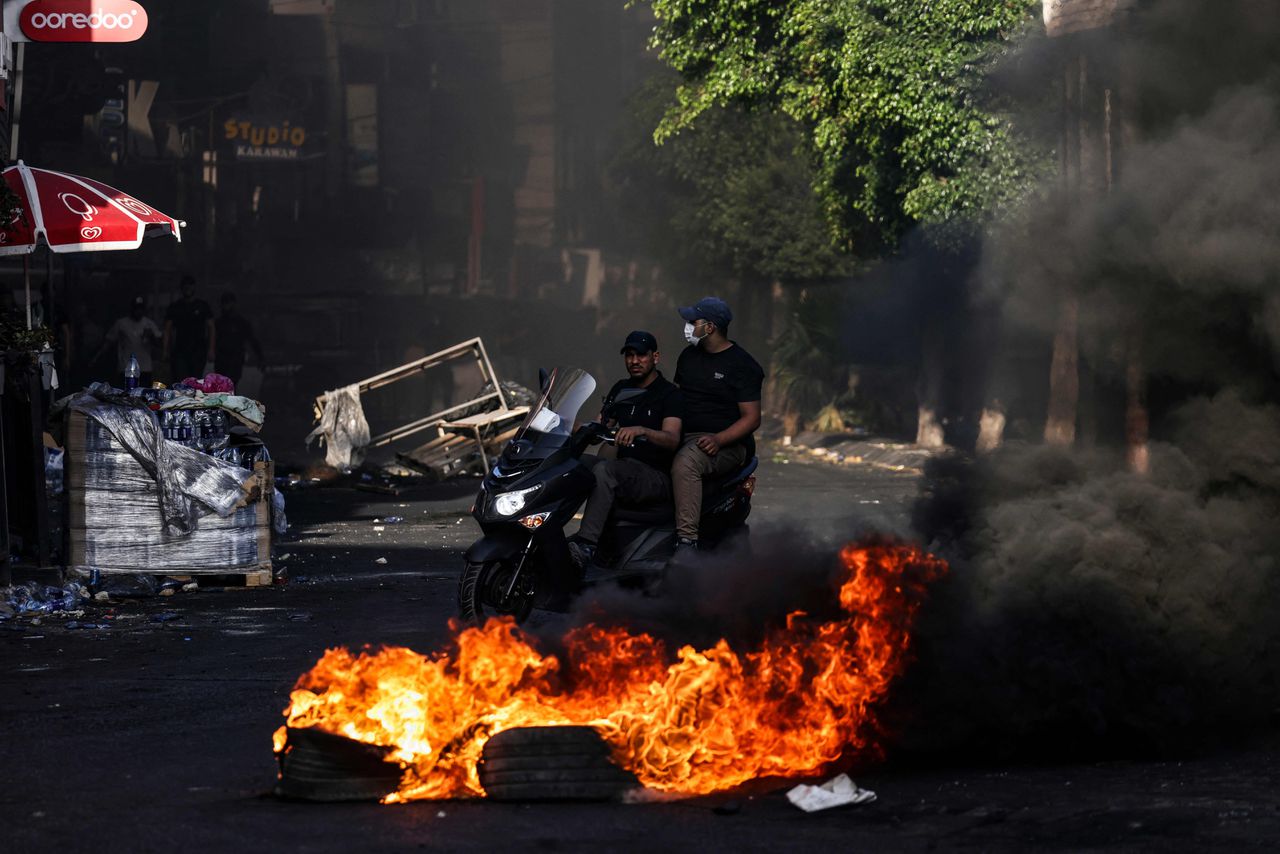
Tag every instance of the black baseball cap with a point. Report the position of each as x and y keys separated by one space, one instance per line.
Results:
x=641 y=342
x=713 y=309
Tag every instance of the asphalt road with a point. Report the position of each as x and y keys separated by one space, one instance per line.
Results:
x=154 y=734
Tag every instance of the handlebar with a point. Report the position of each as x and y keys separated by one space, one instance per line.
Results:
x=612 y=439
x=599 y=433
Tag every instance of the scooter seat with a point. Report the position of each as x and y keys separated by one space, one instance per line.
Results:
x=660 y=513
x=646 y=514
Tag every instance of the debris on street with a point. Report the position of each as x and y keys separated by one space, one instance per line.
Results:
x=836 y=792
x=33 y=598
x=463 y=435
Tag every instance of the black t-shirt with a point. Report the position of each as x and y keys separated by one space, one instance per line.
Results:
x=714 y=384
x=189 y=318
x=660 y=401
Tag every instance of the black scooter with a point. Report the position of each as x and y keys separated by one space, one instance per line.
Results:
x=537 y=486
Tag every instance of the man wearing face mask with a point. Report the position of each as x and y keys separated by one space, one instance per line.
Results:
x=648 y=434
x=721 y=385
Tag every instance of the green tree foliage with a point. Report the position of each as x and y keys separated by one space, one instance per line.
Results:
x=889 y=92
x=731 y=198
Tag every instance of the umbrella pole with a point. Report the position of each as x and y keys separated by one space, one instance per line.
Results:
x=26 y=280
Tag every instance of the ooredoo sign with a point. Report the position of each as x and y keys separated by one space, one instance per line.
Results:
x=95 y=21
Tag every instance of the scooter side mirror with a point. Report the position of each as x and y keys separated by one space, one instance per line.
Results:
x=543 y=379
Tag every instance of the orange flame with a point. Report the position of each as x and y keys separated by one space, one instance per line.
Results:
x=708 y=720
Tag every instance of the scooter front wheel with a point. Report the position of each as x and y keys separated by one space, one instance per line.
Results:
x=486 y=588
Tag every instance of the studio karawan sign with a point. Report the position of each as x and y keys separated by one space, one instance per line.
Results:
x=265 y=139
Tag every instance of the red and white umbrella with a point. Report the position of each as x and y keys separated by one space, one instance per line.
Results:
x=70 y=213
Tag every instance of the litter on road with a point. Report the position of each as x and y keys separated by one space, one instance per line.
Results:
x=836 y=792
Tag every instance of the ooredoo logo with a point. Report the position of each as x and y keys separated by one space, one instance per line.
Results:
x=83 y=21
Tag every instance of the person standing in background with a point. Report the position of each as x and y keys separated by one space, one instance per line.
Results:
x=133 y=335
x=233 y=334
x=189 y=334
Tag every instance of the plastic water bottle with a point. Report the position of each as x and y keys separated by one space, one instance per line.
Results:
x=131 y=373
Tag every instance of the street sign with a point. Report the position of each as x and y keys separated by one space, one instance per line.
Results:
x=93 y=21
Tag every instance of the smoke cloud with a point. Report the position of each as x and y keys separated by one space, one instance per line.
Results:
x=735 y=592
x=1090 y=609
x=1181 y=250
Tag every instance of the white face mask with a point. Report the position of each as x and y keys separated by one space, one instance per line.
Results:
x=689 y=336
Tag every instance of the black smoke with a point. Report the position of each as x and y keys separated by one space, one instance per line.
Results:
x=1092 y=610
x=738 y=591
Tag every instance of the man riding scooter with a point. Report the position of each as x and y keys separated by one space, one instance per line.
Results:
x=721 y=384
x=648 y=433
x=539 y=482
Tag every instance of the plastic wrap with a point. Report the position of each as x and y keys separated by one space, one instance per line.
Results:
x=115 y=523
x=120 y=532
x=186 y=481
x=279 y=521
x=53 y=469
x=343 y=428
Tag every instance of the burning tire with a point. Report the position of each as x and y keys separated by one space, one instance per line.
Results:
x=320 y=766
x=551 y=764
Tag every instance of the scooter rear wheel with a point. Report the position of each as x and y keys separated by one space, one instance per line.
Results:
x=482 y=591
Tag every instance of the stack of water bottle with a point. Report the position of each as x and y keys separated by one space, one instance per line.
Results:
x=204 y=429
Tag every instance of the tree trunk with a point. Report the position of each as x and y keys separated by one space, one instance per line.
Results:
x=1137 y=421
x=929 y=428
x=1064 y=376
x=990 y=349
x=790 y=425
x=990 y=427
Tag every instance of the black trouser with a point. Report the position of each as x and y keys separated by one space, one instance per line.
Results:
x=629 y=480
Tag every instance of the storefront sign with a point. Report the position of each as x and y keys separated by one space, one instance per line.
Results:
x=96 y=21
x=256 y=139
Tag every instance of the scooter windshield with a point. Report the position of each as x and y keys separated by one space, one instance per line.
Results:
x=551 y=420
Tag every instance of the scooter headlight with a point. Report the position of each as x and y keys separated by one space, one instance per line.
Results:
x=511 y=503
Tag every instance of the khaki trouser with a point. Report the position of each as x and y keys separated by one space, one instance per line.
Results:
x=691 y=466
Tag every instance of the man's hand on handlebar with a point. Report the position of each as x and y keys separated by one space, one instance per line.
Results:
x=627 y=436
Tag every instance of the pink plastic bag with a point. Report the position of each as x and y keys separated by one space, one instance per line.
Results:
x=211 y=384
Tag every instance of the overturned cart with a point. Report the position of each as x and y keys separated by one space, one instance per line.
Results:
x=167 y=487
x=453 y=440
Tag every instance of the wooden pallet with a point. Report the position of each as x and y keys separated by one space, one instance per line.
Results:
x=228 y=578
x=237 y=580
